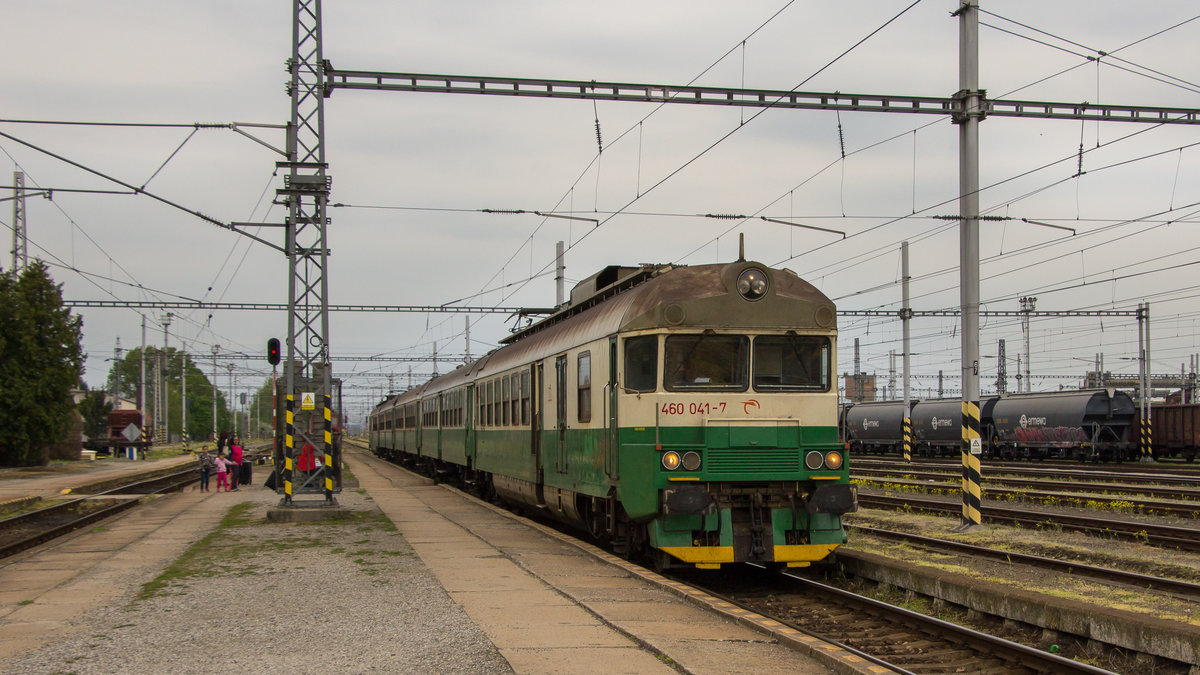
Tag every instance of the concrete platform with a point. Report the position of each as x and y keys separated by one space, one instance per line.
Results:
x=306 y=514
x=551 y=603
x=19 y=486
x=547 y=602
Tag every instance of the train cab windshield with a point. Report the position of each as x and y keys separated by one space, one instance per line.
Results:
x=791 y=363
x=772 y=363
x=706 y=362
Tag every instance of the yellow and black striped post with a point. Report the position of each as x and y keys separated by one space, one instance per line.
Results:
x=907 y=438
x=328 y=450
x=1147 y=441
x=972 y=475
x=289 y=443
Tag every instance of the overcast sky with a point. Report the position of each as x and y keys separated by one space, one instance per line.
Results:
x=412 y=170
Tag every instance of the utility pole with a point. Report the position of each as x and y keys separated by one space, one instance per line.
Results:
x=559 y=277
x=233 y=398
x=183 y=428
x=305 y=192
x=891 y=375
x=215 y=349
x=968 y=237
x=142 y=385
x=1028 y=304
x=1001 y=369
x=117 y=374
x=905 y=317
x=467 y=337
x=20 y=249
x=163 y=369
x=1145 y=381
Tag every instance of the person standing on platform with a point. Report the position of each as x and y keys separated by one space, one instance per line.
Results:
x=235 y=458
x=222 y=465
x=306 y=463
x=206 y=467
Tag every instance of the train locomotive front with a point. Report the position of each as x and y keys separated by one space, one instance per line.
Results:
x=684 y=413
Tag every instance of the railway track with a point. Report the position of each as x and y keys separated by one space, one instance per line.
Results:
x=1175 y=509
x=1134 y=473
x=1176 y=587
x=1181 y=493
x=26 y=530
x=1184 y=538
x=885 y=634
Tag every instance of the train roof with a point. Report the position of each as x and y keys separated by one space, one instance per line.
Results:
x=647 y=297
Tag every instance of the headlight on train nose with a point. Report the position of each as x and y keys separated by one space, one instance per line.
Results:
x=813 y=460
x=752 y=284
x=833 y=460
x=691 y=460
x=670 y=460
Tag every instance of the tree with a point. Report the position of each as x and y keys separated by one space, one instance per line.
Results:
x=94 y=409
x=199 y=389
x=41 y=358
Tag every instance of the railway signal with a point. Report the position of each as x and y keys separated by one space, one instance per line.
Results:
x=273 y=351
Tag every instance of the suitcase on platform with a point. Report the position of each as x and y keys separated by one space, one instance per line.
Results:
x=246 y=474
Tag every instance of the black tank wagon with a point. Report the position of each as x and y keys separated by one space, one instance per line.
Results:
x=873 y=426
x=1092 y=424
x=1086 y=425
x=937 y=427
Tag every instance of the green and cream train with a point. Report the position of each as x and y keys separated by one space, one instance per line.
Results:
x=684 y=413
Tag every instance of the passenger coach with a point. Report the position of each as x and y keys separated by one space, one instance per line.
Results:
x=687 y=413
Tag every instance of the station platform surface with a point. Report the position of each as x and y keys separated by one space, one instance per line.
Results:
x=551 y=603
x=55 y=478
x=547 y=602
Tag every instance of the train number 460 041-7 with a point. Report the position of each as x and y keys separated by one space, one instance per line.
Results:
x=694 y=408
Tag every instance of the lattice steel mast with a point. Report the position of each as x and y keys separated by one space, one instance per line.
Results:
x=305 y=191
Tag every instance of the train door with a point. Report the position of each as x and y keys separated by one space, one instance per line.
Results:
x=468 y=421
x=440 y=416
x=611 y=446
x=537 y=420
x=560 y=411
x=420 y=435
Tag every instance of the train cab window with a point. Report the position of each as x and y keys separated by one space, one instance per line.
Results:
x=791 y=363
x=584 y=381
x=641 y=363
x=525 y=398
x=706 y=362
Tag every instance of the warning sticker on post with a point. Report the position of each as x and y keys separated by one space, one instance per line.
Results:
x=308 y=400
x=976 y=446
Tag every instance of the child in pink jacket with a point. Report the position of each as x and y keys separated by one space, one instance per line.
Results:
x=222 y=465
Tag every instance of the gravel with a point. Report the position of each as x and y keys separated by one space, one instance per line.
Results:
x=348 y=596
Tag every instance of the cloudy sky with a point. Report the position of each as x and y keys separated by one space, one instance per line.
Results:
x=411 y=172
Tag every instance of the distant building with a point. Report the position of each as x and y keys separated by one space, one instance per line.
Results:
x=116 y=402
x=860 y=387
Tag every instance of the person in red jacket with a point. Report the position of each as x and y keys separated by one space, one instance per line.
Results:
x=235 y=457
x=306 y=462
